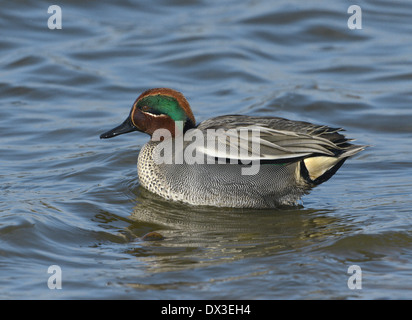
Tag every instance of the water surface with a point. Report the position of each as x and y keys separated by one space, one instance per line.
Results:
x=68 y=198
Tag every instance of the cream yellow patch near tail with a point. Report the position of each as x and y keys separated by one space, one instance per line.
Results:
x=317 y=166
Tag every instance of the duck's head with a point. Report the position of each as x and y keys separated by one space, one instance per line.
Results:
x=159 y=108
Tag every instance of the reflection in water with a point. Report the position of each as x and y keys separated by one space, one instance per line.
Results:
x=200 y=236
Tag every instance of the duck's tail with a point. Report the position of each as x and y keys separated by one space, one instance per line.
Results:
x=318 y=169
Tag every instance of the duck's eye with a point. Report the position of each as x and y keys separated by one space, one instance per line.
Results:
x=145 y=108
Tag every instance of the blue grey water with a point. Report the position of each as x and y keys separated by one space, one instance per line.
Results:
x=69 y=199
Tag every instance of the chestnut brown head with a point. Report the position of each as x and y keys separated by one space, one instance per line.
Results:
x=159 y=108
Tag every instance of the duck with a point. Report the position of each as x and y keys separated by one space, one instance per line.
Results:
x=236 y=161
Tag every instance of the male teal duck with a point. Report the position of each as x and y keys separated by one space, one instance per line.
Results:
x=292 y=156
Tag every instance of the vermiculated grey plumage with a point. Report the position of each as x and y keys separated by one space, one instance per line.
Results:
x=294 y=156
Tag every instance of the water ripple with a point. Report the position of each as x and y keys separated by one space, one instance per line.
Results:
x=71 y=199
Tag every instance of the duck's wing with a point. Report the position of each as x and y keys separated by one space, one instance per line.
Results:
x=271 y=139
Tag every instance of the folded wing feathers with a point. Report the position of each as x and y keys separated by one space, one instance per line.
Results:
x=282 y=144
